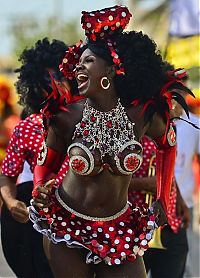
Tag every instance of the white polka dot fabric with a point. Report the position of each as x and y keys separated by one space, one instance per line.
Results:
x=24 y=145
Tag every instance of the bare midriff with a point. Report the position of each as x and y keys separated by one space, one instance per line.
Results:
x=101 y=197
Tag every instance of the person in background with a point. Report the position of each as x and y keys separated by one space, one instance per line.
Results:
x=188 y=149
x=8 y=115
x=22 y=245
x=168 y=250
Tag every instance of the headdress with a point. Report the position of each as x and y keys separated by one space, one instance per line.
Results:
x=100 y=25
x=56 y=101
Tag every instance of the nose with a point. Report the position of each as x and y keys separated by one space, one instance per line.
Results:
x=79 y=66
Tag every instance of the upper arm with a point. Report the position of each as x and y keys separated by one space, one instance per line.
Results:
x=156 y=127
x=55 y=141
x=6 y=180
x=15 y=153
x=58 y=134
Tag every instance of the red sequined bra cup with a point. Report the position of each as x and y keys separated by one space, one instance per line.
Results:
x=110 y=134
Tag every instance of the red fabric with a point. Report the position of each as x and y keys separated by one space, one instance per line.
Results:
x=99 y=24
x=41 y=175
x=49 y=168
x=63 y=170
x=24 y=146
x=165 y=161
x=113 y=241
x=53 y=160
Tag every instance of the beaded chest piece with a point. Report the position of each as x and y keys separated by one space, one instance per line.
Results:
x=111 y=133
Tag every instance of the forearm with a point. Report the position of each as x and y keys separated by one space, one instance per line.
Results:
x=48 y=167
x=8 y=189
x=50 y=158
x=165 y=139
x=165 y=161
x=143 y=184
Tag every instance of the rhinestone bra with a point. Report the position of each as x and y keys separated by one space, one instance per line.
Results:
x=111 y=133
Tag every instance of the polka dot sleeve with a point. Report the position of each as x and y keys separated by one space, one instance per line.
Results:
x=15 y=154
x=149 y=150
x=23 y=145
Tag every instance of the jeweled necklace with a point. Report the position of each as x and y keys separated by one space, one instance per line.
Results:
x=107 y=131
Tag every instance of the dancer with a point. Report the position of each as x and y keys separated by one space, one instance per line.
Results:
x=127 y=94
x=22 y=245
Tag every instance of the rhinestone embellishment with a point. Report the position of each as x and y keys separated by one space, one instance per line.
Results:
x=105 y=131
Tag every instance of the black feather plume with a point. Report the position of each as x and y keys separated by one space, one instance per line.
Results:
x=181 y=101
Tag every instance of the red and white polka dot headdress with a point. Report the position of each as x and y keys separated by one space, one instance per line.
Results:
x=99 y=25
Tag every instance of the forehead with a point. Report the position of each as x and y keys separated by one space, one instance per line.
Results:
x=98 y=59
x=87 y=52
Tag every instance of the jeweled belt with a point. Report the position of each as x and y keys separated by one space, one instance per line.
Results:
x=86 y=217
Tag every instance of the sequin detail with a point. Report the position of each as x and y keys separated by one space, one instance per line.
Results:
x=111 y=133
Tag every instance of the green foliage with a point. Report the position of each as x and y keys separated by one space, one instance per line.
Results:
x=27 y=30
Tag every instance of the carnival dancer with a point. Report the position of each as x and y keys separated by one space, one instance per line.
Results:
x=88 y=225
x=22 y=245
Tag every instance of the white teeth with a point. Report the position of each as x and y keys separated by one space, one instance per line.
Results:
x=82 y=77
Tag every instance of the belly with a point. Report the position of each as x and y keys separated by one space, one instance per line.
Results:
x=100 y=196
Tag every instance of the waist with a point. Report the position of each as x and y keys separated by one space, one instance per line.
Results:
x=88 y=217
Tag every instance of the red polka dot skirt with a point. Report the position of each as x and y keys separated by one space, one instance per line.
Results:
x=112 y=239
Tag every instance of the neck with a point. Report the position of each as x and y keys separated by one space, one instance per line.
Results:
x=103 y=102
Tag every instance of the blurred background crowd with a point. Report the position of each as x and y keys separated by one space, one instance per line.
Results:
x=173 y=24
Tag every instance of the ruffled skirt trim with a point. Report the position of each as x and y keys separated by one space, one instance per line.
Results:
x=113 y=241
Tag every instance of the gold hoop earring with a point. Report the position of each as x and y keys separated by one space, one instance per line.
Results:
x=103 y=80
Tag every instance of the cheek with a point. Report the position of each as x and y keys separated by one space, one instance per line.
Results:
x=95 y=81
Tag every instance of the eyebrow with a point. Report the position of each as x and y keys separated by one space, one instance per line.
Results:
x=87 y=57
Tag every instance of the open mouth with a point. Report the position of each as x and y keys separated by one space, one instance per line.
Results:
x=82 y=80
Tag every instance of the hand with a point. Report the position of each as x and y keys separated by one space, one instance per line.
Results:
x=19 y=211
x=41 y=194
x=159 y=212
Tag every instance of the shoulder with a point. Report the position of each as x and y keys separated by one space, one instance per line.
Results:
x=157 y=126
x=71 y=116
x=21 y=126
x=134 y=113
x=32 y=120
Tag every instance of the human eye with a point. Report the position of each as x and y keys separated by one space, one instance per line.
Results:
x=89 y=59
